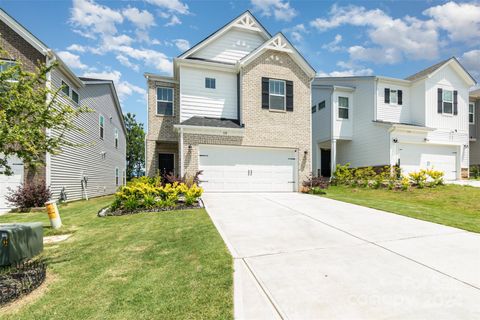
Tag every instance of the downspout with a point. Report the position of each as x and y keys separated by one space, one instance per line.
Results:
x=181 y=153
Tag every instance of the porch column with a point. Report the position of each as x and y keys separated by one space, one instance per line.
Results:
x=333 y=155
x=180 y=153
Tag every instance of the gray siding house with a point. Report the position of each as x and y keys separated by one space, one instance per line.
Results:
x=474 y=123
x=96 y=165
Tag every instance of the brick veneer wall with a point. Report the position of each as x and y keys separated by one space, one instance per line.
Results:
x=18 y=49
x=264 y=128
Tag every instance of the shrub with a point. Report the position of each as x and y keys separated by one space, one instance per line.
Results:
x=317 y=182
x=418 y=178
x=192 y=194
x=317 y=190
x=29 y=195
x=404 y=183
x=436 y=177
x=475 y=171
x=343 y=174
x=188 y=180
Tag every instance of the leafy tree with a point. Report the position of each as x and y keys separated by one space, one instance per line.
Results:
x=29 y=112
x=135 y=146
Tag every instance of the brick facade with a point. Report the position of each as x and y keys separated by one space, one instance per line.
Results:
x=18 y=49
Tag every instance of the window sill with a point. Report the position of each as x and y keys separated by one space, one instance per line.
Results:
x=278 y=111
x=164 y=115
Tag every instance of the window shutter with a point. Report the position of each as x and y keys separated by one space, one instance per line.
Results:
x=387 y=95
x=289 y=95
x=400 y=97
x=439 y=100
x=265 y=102
x=455 y=102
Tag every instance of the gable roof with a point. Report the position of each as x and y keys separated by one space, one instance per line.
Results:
x=37 y=44
x=118 y=107
x=244 y=21
x=436 y=67
x=280 y=43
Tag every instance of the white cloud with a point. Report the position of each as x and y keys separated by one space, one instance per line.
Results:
x=93 y=18
x=280 y=9
x=297 y=32
x=347 y=73
x=77 y=48
x=72 y=60
x=173 y=21
x=124 y=88
x=149 y=57
x=171 y=5
x=333 y=46
x=471 y=61
x=181 y=44
x=141 y=19
x=460 y=20
x=127 y=63
x=407 y=37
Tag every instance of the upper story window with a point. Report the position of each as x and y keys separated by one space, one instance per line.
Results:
x=116 y=137
x=343 y=106
x=277 y=94
x=6 y=64
x=471 y=113
x=101 y=124
x=447 y=100
x=210 y=83
x=117 y=177
x=165 y=101
x=65 y=88
x=321 y=105
x=393 y=96
x=314 y=108
x=74 y=96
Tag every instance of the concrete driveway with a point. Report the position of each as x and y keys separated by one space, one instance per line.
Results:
x=299 y=256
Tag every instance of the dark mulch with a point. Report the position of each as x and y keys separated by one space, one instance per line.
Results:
x=21 y=279
x=105 y=212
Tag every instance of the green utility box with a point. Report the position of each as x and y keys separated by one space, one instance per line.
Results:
x=20 y=241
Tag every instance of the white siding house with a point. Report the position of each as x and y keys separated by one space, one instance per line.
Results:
x=419 y=122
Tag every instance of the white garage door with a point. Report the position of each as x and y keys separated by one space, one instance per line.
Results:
x=247 y=169
x=12 y=181
x=414 y=157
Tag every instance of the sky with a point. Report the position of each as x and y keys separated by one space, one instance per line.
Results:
x=121 y=40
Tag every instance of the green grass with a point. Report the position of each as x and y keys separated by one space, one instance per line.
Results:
x=450 y=205
x=171 y=265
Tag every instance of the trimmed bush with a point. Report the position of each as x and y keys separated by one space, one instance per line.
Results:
x=29 y=195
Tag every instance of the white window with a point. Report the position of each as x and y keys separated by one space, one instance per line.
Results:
x=471 y=113
x=165 y=101
x=116 y=137
x=65 y=88
x=117 y=177
x=210 y=83
x=447 y=101
x=342 y=107
x=393 y=96
x=277 y=94
x=6 y=64
x=101 y=124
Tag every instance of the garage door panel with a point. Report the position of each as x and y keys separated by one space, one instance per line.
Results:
x=227 y=168
x=414 y=157
x=10 y=182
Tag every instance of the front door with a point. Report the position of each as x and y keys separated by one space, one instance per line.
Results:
x=166 y=163
x=325 y=170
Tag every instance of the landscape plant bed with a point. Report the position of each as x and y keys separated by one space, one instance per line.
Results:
x=19 y=280
x=106 y=212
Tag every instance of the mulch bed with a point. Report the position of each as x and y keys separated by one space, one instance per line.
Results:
x=19 y=280
x=105 y=212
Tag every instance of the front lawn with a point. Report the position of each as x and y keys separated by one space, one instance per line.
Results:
x=451 y=205
x=166 y=265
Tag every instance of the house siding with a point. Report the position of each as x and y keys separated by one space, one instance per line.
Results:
x=230 y=47
x=475 y=145
x=91 y=156
x=264 y=128
x=393 y=112
x=196 y=100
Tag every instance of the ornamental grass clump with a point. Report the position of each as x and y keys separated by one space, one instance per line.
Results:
x=153 y=194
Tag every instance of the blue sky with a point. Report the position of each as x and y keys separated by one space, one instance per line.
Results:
x=121 y=40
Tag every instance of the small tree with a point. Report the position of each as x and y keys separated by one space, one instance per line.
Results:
x=135 y=146
x=29 y=113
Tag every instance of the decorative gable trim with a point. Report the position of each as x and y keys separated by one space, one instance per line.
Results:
x=245 y=21
x=280 y=43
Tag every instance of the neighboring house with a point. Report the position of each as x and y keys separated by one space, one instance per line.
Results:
x=96 y=166
x=419 y=122
x=237 y=108
x=474 y=121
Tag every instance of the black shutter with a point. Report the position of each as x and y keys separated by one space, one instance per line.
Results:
x=289 y=95
x=387 y=95
x=400 y=97
x=439 y=100
x=265 y=90
x=455 y=102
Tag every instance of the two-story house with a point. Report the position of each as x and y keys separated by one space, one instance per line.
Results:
x=417 y=122
x=237 y=108
x=474 y=122
x=96 y=165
